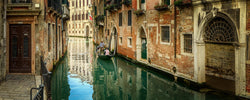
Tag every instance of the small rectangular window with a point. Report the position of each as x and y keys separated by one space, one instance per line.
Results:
x=120 y=40
x=165 y=34
x=129 y=18
x=120 y=19
x=87 y=16
x=73 y=3
x=188 y=43
x=129 y=42
x=79 y=17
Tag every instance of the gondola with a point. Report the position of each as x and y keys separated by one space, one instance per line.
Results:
x=105 y=57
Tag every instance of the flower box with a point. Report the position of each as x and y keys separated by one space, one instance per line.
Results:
x=139 y=12
x=161 y=7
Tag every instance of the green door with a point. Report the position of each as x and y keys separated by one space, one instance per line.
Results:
x=144 y=48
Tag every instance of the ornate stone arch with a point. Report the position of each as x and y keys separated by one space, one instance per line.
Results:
x=220 y=20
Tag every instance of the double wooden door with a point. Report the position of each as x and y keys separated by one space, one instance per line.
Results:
x=20 y=48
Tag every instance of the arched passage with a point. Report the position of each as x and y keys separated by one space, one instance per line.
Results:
x=215 y=52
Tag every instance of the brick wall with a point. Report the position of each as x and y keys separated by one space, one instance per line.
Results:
x=248 y=77
x=248 y=15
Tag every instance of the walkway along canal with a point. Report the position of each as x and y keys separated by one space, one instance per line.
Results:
x=82 y=76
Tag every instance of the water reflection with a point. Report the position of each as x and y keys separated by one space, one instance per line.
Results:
x=84 y=77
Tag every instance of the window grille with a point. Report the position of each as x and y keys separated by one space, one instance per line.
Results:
x=188 y=43
x=220 y=31
x=165 y=34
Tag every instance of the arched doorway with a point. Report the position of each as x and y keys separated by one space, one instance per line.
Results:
x=87 y=31
x=113 y=40
x=141 y=45
x=220 y=36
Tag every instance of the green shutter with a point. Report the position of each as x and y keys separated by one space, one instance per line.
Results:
x=95 y=11
x=142 y=1
x=167 y=2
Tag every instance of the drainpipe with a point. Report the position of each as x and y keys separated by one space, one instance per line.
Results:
x=4 y=35
x=175 y=25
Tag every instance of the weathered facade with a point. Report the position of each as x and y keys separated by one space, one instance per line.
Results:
x=203 y=41
x=80 y=23
x=35 y=28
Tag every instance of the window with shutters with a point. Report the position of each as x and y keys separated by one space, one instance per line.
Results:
x=165 y=33
x=165 y=2
x=120 y=19
x=129 y=18
x=80 y=3
x=87 y=2
x=72 y=18
x=83 y=3
x=75 y=16
x=188 y=43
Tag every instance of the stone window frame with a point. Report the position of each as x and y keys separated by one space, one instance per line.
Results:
x=139 y=5
x=248 y=48
x=182 y=44
x=120 y=40
x=166 y=43
x=130 y=43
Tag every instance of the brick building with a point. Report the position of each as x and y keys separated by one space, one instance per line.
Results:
x=80 y=23
x=201 y=41
x=34 y=28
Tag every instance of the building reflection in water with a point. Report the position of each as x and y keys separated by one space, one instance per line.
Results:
x=83 y=76
x=122 y=80
x=80 y=58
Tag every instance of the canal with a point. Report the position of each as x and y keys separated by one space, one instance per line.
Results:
x=82 y=76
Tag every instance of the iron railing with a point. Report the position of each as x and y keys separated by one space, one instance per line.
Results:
x=45 y=82
x=21 y=1
x=39 y=95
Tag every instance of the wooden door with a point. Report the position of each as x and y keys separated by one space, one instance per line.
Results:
x=20 y=48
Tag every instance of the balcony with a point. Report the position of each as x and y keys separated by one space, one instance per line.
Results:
x=55 y=5
x=22 y=7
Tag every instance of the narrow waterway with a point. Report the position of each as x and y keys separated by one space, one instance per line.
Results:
x=82 y=76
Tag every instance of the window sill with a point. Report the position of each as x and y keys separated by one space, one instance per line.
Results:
x=187 y=54
x=165 y=43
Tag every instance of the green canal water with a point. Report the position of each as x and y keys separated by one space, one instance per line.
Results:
x=82 y=76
